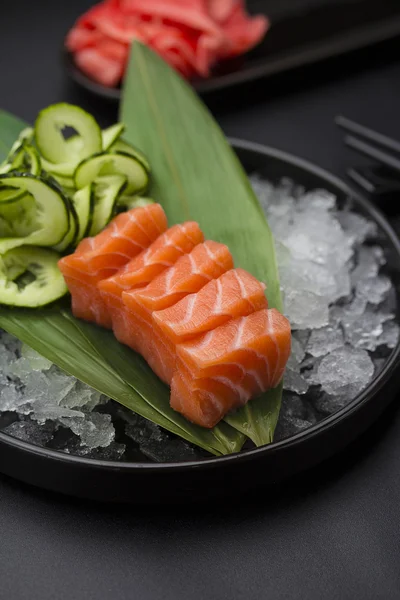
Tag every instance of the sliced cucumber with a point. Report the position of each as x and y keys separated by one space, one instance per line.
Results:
x=51 y=142
x=25 y=136
x=122 y=146
x=106 y=193
x=30 y=277
x=113 y=163
x=10 y=194
x=51 y=210
x=111 y=135
x=65 y=182
x=75 y=146
x=26 y=158
x=63 y=169
x=69 y=240
x=84 y=202
x=5 y=167
x=18 y=218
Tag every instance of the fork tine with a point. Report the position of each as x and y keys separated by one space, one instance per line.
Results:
x=368 y=134
x=371 y=152
x=361 y=180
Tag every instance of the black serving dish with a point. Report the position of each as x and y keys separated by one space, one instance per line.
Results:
x=303 y=32
x=269 y=465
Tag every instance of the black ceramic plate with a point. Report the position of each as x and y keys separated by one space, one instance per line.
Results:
x=200 y=480
x=302 y=32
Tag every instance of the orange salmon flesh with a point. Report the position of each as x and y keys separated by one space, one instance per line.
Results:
x=203 y=326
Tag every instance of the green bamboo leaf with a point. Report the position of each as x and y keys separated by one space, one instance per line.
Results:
x=10 y=127
x=196 y=175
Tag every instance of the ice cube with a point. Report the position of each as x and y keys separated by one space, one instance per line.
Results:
x=345 y=370
x=317 y=200
x=81 y=395
x=11 y=398
x=374 y=289
x=327 y=404
x=21 y=368
x=342 y=283
x=94 y=429
x=36 y=361
x=59 y=384
x=305 y=310
x=302 y=336
x=390 y=334
x=112 y=452
x=296 y=414
x=357 y=227
x=294 y=406
x=324 y=340
x=41 y=411
x=365 y=330
x=368 y=262
x=298 y=348
x=29 y=431
x=293 y=380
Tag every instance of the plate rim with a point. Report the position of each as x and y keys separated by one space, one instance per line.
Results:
x=315 y=430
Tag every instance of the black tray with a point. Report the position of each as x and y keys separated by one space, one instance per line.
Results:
x=231 y=475
x=303 y=32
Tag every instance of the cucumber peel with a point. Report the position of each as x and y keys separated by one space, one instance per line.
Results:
x=52 y=211
x=110 y=135
x=113 y=163
x=107 y=190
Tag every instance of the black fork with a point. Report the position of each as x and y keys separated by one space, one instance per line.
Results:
x=381 y=180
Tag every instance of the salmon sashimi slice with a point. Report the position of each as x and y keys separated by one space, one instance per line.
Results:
x=225 y=367
x=125 y=237
x=137 y=273
x=190 y=273
x=161 y=254
x=101 y=256
x=234 y=294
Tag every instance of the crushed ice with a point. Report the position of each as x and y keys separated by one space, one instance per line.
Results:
x=337 y=296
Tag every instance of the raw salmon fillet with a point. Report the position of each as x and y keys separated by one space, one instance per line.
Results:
x=224 y=368
x=190 y=273
x=236 y=293
x=137 y=273
x=99 y=257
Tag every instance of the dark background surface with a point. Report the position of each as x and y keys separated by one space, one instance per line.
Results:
x=333 y=533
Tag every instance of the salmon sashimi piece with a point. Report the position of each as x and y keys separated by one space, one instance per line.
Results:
x=161 y=254
x=190 y=273
x=101 y=256
x=227 y=366
x=125 y=237
x=137 y=273
x=234 y=294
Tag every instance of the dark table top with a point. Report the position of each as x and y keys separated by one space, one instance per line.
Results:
x=333 y=533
